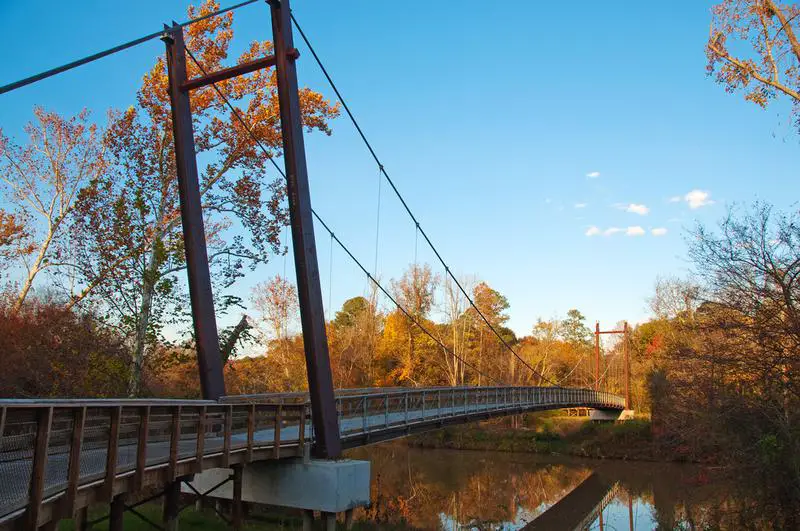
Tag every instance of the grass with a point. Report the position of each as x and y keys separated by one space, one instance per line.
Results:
x=550 y=434
x=208 y=520
x=189 y=519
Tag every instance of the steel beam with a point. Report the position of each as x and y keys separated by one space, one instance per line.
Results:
x=626 y=350
x=234 y=71
x=597 y=355
x=209 y=359
x=320 y=380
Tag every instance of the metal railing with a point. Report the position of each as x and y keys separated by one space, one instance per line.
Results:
x=372 y=412
x=51 y=449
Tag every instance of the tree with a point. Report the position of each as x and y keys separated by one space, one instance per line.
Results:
x=353 y=336
x=14 y=238
x=675 y=298
x=277 y=303
x=415 y=293
x=723 y=378
x=459 y=323
x=351 y=311
x=751 y=270
x=492 y=305
x=545 y=348
x=129 y=223
x=42 y=181
x=754 y=47
x=574 y=329
x=49 y=351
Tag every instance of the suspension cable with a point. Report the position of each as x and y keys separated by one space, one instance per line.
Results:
x=407 y=208
x=399 y=306
x=330 y=232
x=120 y=47
x=378 y=223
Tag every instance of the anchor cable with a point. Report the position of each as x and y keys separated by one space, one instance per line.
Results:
x=120 y=47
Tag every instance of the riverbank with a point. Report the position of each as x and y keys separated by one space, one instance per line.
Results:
x=258 y=519
x=557 y=435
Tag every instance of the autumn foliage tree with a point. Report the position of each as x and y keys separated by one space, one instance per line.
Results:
x=754 y=47
x=51 y=351
x=129 y=221
x=41 y=182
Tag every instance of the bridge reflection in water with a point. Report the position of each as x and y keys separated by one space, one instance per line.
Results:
x=475 y=490
x=579 y=508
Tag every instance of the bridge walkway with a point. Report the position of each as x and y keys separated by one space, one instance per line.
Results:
x=57 y=456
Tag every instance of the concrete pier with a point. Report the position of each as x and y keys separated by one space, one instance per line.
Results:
x=611 y=415
x=329 y=487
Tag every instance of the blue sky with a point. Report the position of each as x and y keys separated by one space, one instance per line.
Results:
x=495 y=119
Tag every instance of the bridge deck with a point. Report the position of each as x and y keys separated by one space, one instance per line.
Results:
x=57 y=456
x=579 y=508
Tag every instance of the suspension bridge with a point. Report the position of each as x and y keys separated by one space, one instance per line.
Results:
x=58 y=457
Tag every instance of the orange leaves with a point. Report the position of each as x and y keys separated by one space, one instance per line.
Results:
x=14 y=236
x=766 y=57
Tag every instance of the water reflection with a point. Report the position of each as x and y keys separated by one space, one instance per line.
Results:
x=450 y=489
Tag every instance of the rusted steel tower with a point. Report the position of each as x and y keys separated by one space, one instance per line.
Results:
x=320 y=381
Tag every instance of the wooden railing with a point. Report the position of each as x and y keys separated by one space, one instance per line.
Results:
x=58 y=455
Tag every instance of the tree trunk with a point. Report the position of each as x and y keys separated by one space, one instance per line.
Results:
x=230 y=343
x=34 y=270
x=142 y=323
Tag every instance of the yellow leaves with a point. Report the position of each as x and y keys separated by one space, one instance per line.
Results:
x=766 y=49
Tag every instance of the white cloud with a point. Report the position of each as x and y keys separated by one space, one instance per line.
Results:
x=698 y=198
x=675 y=199
x=593 y=174
x=660 y=231
x=592 y=231
x=637 y=209
x=611 y=230
x=634 y=231
x=580 y=205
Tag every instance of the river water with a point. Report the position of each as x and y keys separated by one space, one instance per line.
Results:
x=416 y=488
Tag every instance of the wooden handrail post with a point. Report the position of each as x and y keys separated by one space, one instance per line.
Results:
x=201 y=439
x=111 y=451
x=174 y=440
x=276 y=447
x=251 y=429
x=44 y=421
x=226 y=445
x=74 y=470
x=141 y=447
x=301 y=431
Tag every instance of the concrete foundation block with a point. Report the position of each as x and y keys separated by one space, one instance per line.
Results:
x=611 y=415
x=315 y=485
